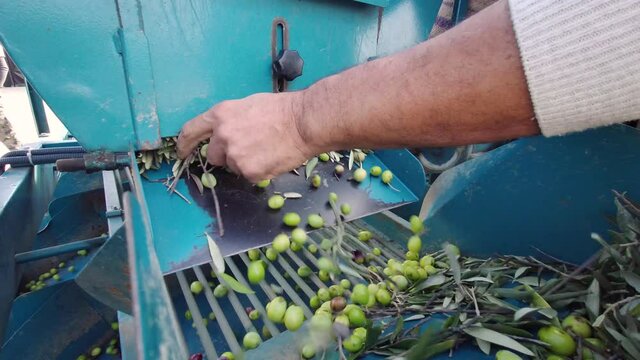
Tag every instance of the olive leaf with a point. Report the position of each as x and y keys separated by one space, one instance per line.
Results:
x=311 y=164
x=235 y=284
x=479 y=278
x=592 y=301
x=547 y=312
x=292 y=195
x=520 y=271
x=494 y=300
x=632 y=279
x=414 y=317
x=198 y=183
x=431 y=281
x=497 y=338
x=350 y=159
x=216 y=255
x=453 y=262
x=484 y=346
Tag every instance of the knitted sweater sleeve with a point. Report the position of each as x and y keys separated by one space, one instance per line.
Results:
x=581 y=59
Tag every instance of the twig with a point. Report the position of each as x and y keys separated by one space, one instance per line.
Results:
x=553 y=257
x=342 y=357
x=216 y=203
x=179 y=194
x=575 y=272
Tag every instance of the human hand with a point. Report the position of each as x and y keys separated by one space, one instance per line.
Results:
x=257 y=137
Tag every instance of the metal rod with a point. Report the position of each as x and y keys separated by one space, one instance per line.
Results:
x=203 y=334
x=316 y=280
x=253 y=298
x=295 y=277
x=266 y=288
x=28 y=256
x=227 y=332
x=235 y=302
x=293 y=295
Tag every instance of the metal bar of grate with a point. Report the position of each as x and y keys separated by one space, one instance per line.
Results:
x=295 y=277
x=293 y=295
x=384 y=246
x=265 y=287
x=314 y=278
x=227 y=332
x=253 y=298
x=235 y=302
x=203 y=334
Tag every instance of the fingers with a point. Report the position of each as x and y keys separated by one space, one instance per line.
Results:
x=192 y=133
x=216 y=154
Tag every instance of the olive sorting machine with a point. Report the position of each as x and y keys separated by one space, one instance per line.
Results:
x=127 y=73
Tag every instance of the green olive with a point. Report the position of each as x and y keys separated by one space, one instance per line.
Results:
x=56 y=277
x=414 y=244
x=275 y=202
x=254 y=314
x=426 y=261
x=308 y=351
x=291 y=219
x=353 y=344
x=411 y=273
x=251 y=340
x=345 y=209
x=360 y=294
x=345 y=283
x=82 y=252
x=315 y=221
x=556 y=357
x=304 y=271
x=360 y=332
x=312 y=248
x=430 y=269
x=81 y=357
x=271 y=254
x=61 y=265
x=400 y=281
x=321 y=322
x=376 y=251
x=323 y=157
x=560 y=342
x=386 y=177
x=263 y=184
x=375 y=170
x=115 y=326
x=336 y=290
x=196 y=287
x=187 y=315
x=255 y=272
x=324 y=294
x=339 y=169
x=359 y=174
x=422 y=273
x=341 y=319
x=357 y=317
x=95 y=352
x=326 y=264
x=293 y=318
x=507 y=355
x=323 y=275
x=316 y=181
x=266 y=334
x=410 y=255
x=333 y=197
x=299 y=236
x=326 y=244
x=228 y=355
x=212 y=316
x=281 y=243
x=314 y=302
x=208 y=180
x=295 y=246
x=416 y=225
x=53 y=271
x=71 y=269
x=220 y=291
x=364 y=235
x=276 y=309
x=578 y=325
x=383 y=296
x=254 y=254
x=203 y=150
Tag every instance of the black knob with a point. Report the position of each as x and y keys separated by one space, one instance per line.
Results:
x=288 y=65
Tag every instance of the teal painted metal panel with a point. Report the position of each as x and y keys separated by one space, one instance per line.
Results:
x=66 y=50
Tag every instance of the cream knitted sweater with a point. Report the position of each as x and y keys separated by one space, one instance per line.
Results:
x=581 y=59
